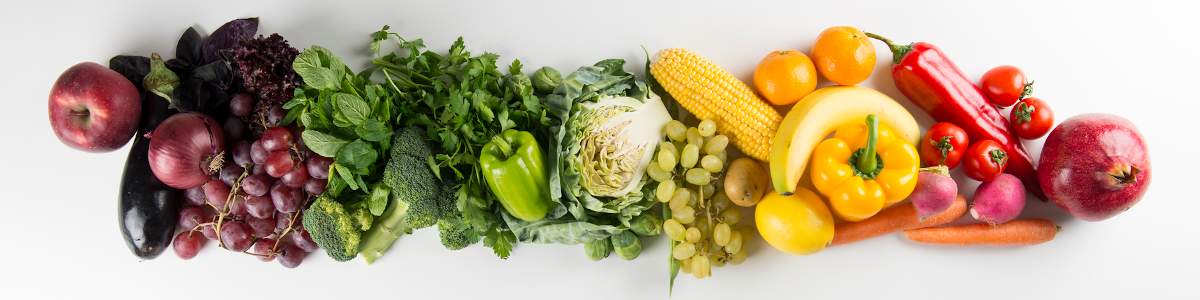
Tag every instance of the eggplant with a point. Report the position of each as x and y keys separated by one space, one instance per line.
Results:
x=147 y=209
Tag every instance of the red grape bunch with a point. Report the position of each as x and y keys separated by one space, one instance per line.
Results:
x=255 y=205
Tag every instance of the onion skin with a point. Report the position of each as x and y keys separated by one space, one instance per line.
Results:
x=186 y=150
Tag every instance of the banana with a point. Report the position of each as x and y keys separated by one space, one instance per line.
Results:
x=818 y=115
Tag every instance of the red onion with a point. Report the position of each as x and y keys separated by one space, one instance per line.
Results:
x=186 y=150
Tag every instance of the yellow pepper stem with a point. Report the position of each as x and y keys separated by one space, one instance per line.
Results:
x=867 y=162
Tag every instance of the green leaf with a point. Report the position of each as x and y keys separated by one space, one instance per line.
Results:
x=373 y=130
x=378 y=37
x=347 y=177
x=357 y=156
x=161 y=81
x=324 y=144
x=316 y=73
x=672 y=263
x=351 y=108
x=378 y=200
x=501 y=242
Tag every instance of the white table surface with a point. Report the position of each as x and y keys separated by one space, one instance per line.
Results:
x=59 y=237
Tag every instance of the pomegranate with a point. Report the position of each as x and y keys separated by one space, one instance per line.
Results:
x=1095 y=166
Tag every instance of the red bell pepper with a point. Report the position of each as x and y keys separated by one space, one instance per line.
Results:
x=928 y=78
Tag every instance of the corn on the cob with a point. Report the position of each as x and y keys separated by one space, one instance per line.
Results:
x=710 y=92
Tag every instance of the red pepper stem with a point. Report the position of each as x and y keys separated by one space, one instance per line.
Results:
x=898 y=51
x=504 y=147
x=867 y=162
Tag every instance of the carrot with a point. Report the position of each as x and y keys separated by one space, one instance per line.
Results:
x=1013 y=233
x=895 y=218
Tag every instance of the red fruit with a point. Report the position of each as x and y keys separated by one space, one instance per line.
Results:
x=1003 y=85
x=188 y=243
x=94 y=109
x=1095 y=166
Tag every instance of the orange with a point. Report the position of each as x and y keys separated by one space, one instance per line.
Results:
x=785 y=76
x=844 y=55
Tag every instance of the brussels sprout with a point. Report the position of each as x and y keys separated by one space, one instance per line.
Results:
x=646 y=224
x=546 y=79
x=627 y=245
x=597 y=249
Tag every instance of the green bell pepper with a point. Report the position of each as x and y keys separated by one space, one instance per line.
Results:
x=513 y=167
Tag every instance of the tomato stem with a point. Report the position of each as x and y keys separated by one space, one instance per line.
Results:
x=898 y=51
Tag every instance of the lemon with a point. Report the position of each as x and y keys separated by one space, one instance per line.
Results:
x=797 y=224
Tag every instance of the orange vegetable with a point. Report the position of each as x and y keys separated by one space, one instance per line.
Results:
x=1013 y=233
x=896 y=218
x=844 y=55
x=785 y=76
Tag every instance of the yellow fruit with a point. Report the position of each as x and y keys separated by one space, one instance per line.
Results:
x=818 y=115
x=783 y=77
x=796 y=224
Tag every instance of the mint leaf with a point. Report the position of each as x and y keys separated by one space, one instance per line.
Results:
x=377 y=202
x=347 y=177
x=315 y=73
x=373 y=130
x=324 y=144
x=357 y=156
x=350 y=108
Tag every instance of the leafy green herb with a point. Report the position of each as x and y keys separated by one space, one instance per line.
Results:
x=323 y=144
x=358 y=156
x=461 y=100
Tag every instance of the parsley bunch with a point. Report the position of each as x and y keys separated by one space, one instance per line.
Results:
x=461 y=101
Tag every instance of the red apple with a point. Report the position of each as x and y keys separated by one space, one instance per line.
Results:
x=94 y=109
x=1095 y=166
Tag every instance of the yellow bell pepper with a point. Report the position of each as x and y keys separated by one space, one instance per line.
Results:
x=859 y=185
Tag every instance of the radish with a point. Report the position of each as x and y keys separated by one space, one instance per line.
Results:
x=935 y=191
x=998 y=201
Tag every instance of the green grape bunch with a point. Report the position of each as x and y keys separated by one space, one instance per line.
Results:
x=703 y=226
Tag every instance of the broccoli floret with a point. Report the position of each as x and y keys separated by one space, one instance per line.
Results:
x=332 y=228
x=411 y=180
x=360 y=215
x=455 y=233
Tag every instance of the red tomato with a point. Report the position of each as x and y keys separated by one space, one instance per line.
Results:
x=944 y=144
x=1004 y=85
x=1031 y=118
x=985 y=159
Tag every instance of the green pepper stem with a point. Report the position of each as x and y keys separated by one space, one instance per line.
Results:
x=867 y=162
x=504 y=146
x=898 y=51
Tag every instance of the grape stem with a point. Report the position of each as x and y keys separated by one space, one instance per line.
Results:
x=223 y=211
x=286 y=231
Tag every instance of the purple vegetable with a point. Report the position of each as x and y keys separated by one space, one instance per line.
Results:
x=935 y=191
x=227 y=36
x=1000 y=200
x=265 y=66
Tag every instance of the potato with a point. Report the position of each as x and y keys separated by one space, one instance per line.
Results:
x=746 y=182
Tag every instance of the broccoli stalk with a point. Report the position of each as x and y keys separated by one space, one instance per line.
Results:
x=387 y=229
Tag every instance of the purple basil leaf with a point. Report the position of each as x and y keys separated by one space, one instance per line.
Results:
x=184 y=97
x=188 y=48
x=227 y=36
x=132 y=67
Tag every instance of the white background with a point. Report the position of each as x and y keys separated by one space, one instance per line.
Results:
x=59 y=235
